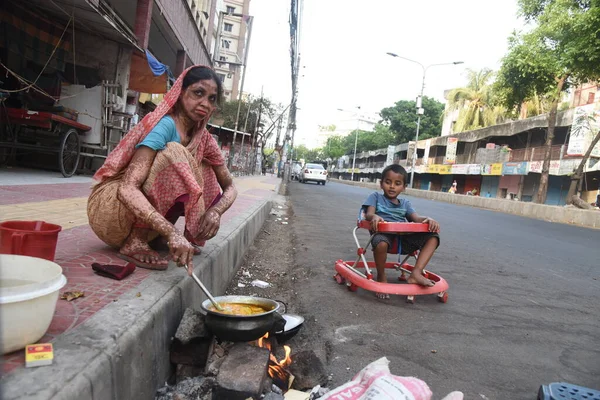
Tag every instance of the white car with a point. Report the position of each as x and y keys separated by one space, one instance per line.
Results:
x=314 y=173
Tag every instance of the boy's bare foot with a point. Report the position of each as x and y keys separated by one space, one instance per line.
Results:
x=419 y=280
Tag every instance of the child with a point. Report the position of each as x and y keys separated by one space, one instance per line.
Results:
x=387 y=207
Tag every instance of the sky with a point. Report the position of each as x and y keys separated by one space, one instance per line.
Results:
x=343 y=46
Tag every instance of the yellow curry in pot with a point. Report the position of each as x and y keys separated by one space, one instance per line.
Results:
x=240 y=309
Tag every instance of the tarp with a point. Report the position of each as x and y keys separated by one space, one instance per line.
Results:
x=148 y=75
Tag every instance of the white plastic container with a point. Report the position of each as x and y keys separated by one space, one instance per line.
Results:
x=29 y=289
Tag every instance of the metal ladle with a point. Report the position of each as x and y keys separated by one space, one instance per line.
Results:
x=205 y=290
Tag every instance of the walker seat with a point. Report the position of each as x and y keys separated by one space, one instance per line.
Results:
x=357 y=274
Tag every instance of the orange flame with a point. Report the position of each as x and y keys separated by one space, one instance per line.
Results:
x=277 y=369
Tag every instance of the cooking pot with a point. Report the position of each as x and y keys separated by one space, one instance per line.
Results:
x=243 y=328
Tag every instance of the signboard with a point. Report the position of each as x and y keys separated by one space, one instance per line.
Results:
x=474 y=169
x=426 y=154
x=445 y=169
x=491 y=169
x=459 y=169
x=451 y=146
x=567 y=167
x=536 y=167
x=433 y=168
x=514 y=168
x=586 y=123
x=390 y=155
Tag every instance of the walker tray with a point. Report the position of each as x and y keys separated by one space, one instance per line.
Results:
x=396 y=227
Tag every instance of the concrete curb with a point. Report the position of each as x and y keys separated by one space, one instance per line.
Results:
x=122 y=352
x=563 y=215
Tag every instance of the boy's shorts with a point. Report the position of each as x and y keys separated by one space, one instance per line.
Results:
x=410 y=243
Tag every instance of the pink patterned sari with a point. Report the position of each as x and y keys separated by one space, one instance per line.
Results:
x=177 y=173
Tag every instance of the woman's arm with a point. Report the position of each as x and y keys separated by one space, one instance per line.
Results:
x=211 y=220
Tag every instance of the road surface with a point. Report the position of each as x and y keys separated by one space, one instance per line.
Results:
x=523 y=309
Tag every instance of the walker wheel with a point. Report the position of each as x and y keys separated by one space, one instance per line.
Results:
x=352 y=287
x=339 y=279
x=410 y=299
x=443 y=297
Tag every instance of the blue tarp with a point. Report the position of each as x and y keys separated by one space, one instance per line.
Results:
x=157 y=67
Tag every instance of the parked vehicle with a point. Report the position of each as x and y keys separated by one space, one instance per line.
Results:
x=314 y=173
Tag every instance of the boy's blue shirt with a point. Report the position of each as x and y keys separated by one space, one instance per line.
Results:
x=387 y=210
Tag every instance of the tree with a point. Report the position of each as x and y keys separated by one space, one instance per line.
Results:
x=402 y=119
x=304 y=153
x=474 y=102
x=562 y=49
x=335 y=147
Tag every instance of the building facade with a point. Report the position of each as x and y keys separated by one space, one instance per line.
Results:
x=230 y=44
x=501 y=161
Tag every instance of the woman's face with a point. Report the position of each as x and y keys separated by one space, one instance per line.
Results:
x=199 y=100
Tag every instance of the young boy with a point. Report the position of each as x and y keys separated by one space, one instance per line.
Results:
x=388 y=207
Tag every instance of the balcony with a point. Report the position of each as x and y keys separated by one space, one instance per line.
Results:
x=535 y=153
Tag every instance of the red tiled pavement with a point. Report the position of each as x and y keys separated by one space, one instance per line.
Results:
x=78 y=248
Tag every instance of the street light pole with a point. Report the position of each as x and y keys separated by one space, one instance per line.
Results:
x=420 y=110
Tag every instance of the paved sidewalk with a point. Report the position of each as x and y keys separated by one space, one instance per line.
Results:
x=64 y=203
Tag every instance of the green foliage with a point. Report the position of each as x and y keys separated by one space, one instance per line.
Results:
x=475 y=102
x=302 y=152
x=335 y=147
x=402 y=119
x=563 y=44
x=327 y=128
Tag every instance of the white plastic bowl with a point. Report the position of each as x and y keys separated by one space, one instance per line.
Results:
x=28 y=293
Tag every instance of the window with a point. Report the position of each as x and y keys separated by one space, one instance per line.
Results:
x=230 y=10
x=222 y=58
x=221 y=77
x=225 y=43
x=227 y=27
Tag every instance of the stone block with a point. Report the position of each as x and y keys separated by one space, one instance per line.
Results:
x=242 y=374
x=192 y=341
x=308 y=370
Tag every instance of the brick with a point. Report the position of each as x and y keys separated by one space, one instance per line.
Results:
x=243 y=373
x=192 y=340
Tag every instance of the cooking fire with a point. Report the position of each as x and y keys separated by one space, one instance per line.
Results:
x=282 y=378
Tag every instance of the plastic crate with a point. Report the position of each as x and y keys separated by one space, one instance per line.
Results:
x=567 y=391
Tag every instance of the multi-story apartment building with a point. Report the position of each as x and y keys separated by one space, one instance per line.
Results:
x=229 y=50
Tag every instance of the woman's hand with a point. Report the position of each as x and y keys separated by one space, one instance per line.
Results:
x=375 y=220
x=182 y=251
x=209 y=224
x=434 y=226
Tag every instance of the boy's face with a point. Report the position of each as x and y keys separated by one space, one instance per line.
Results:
x=392 y=184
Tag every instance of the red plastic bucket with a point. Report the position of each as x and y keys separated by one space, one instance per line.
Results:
x=29 y=238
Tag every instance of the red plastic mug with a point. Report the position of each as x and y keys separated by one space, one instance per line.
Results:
x=29 y=238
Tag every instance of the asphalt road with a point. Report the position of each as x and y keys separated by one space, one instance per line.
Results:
x=523 y=308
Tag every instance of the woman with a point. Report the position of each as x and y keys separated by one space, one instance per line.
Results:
x=165 y=167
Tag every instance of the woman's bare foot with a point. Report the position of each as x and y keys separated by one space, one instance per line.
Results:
x=137 y=251
x=419 y=279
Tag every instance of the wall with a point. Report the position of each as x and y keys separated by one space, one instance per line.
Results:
x=510 y=183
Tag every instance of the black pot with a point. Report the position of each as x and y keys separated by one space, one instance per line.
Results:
x=242 y=328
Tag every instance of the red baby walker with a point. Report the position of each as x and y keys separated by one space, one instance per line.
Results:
x=351 y=273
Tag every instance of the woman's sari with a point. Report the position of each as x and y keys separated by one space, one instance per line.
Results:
x=177 y=174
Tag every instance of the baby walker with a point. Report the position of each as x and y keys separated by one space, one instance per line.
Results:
x=350 y=273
